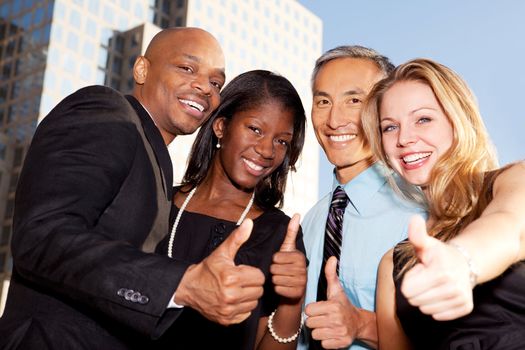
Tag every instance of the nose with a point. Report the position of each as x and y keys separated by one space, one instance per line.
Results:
x=406 y=136
x=265 y=147
x=338 y=117
x=202 y=83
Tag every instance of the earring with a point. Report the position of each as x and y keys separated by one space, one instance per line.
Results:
x=218 y=145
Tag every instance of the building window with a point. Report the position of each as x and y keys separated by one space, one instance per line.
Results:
x=26 y=20
x=9 y=266
x=138 y=10
x=72 y=41
x=3 y=93
x=13 y=182
x=115 y=83
x=4 y=10
x=108 y=15
x=6 y=70
x=117 y=65
x=130 y=84
x=2 y=261
x=85 y=72
x=93 y=6
x=17 y=7
x=166 y=7
x=119 y=43
x=102 y=58
x=18 y=157
x=10 y=48
x=74 y=19
x=9 y=208
x=4 y=236
x=100 y=77
x=91 y=27
x=88 y=50
x=15 y=91
x=39 y=16
x=46 y=31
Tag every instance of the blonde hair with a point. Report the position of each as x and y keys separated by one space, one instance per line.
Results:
x=456 y=187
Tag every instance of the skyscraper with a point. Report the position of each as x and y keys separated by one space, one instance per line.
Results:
x=48 y=49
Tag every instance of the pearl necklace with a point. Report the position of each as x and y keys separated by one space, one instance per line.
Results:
x=183 y=207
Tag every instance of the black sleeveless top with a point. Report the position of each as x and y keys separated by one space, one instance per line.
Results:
x=497 y=321
x=196 y=238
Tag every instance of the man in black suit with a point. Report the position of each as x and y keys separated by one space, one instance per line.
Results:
x=93 y=201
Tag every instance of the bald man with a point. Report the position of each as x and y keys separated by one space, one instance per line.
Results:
x=93 y=201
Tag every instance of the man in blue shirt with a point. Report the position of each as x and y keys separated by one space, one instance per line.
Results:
x=375 y=218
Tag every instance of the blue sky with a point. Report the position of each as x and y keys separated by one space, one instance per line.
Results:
x=484 y=41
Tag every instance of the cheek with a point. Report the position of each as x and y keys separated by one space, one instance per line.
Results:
x=280 y=154
x=389 y=145
x=317 y=120
x=214 y=101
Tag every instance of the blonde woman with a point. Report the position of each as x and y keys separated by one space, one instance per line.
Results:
x=458 y=282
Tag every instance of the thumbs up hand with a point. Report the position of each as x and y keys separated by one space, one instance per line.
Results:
x=439 y=284
x=288 y=267
x=217 y=288
x=335 y=322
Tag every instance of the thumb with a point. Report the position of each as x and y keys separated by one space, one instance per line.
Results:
x=418 y=236
x=333 y=285
x=291 y=234
x=235 y=240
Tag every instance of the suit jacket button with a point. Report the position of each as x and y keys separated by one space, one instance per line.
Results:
x=143 y=300
x=121 y=292
x=135 y=297
x=128 y=294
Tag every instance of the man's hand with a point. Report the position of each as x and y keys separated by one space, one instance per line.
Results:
x=288 y=268
x=335 y=322
x=439 y=284
x=217 y=288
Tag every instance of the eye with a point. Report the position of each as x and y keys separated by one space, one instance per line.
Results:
x=216 y=85
x=255 y=130
x=323 y=103
x=284 y=143
x=388 y=128
x=424 y=120
x=186 y=69
x=354 y=100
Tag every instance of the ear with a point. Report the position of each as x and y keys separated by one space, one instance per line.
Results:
x=140 y=69
x=219 y=126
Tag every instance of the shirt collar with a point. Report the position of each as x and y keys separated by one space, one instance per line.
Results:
x=364 y=186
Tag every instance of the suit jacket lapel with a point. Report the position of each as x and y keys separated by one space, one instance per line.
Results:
x=157 y=143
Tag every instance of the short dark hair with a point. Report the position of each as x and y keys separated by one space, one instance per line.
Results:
x=246 y=91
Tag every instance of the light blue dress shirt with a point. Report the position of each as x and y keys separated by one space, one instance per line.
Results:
x=375 y=220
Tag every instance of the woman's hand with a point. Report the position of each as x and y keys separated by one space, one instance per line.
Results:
x=440 y=284
x=288 y=268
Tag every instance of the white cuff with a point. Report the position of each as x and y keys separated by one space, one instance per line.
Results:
x=173 y=305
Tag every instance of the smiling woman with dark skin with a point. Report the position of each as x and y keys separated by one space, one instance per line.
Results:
x=238 y=169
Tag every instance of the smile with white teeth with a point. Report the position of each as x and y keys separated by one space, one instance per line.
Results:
x=411 y=158
x=342 y=138
x=252 y=165
x=192 y=104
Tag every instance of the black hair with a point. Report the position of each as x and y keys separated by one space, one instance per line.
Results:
x=246 y=91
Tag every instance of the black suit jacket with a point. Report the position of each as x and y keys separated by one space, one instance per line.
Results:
x=89 y=209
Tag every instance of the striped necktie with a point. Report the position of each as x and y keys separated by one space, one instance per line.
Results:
x=333 y=238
